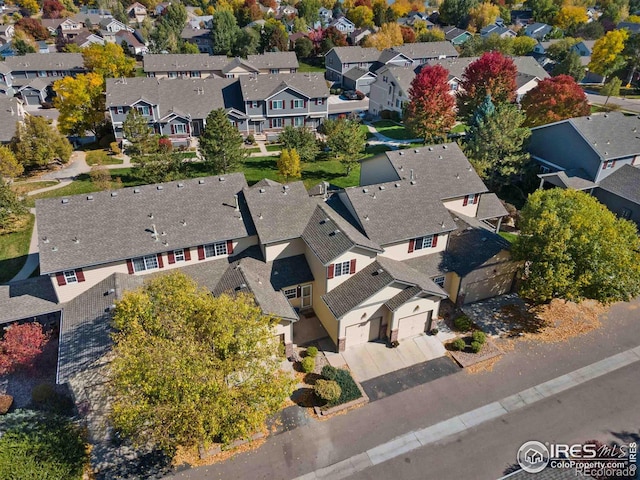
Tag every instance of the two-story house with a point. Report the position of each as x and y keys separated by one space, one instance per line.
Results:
x=20 y=70
x=343 y=24
x=11 y=112
x=599 y=154
x=64 y=27
x=200 y=37
x=136 y=12
x=6 y=33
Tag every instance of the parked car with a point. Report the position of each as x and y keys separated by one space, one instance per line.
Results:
x=350 y=95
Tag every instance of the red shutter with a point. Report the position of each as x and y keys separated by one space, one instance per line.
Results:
x=61 y=279
x=189 y=128
x=412 y=245
x=200 y=252
x=298 y=291
x=604 y=166
x=130 y=266
x=291 y=103
x=315 y=100
x=476 y=198
x=270 y=123
x=187 y=254
x=330 y=271
x=79 y=275
x=435 y=241
x=229 y=247
x=173 y=129
x=352 y=267
x=270 y=105
x=465 y=201
x=171 y=257
x=613 y=164
x=305 y=104
x=160 y=262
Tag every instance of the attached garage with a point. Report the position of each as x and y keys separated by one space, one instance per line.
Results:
x=31 y=97
x=487 y=288
x=414 y=325
x=363 y=332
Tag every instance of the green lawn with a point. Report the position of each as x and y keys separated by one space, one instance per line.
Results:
x=367 y=132
x=274 y=148
x=460 y=128
x=140 y=72
x=372 y=150
x=305 y=67
x=509 y=237
x=392 y=130
x=101 y=157
x=14 y=248
x=253 y=150
x=22 y=188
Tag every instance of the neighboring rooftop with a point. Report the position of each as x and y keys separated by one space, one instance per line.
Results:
x=10 y=107
x=183 y=62
x=624 y=182
x=51 y=61
x=313 y=85
x=27 y=299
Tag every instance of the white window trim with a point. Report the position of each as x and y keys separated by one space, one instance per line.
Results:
x=178 y=255
x=471 y=198
x=341 y=268
x=423 y=242
x=180 y=126
x=298 y=121
x=70 y=276
x=215 y=249
x=439 y=281
x=277 y=105
x=297 y=103
x=149 y=262
x=290 y=293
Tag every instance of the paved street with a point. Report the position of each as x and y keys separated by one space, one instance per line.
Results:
x=626 y=104
x=321 y=444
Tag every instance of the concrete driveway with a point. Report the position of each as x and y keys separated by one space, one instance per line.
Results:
x=487 y=313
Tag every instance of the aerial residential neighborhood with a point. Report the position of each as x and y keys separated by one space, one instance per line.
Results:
x=316 y=239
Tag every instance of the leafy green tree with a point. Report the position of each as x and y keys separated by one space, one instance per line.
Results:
x=37 y=143
x=309 y=10
x=289 y=164
x=346 y=140
x=221 y=143
x=9 y=165
x=23 y=43
x=302 y=140
x=160 y=166
x=247 y=42
x=11 y=207
x=607 y=56
x=575 y=248
x=224 y=32
x=303 y=47
x=631 y=55
x=38 y=445
x=611 y=88
x=495 y=143
x=543 y=10
x=274 y=37
x=137 y=132
x=189 y=48
x=570 y=65
x=190 y=368
x=456 y=12
x=523 y=45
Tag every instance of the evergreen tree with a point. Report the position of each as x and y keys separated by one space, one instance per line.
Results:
x=137 y=132
x=221 y=143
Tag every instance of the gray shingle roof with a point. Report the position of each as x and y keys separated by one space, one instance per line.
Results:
x=574 y=178
x=490 y=206
x=312 y=85
x=356 y=54
x=279 y=212
x=8 y=117
x=427 y=49
x=112 y=228
x=28 y=298
x=525 y=65
x=274 y=60
x=183 y=62
x=356 y=73
x=51 y=61
x=403 y=75
x=330 y=232
x=374 y=278
x=611 y=135
x=189 y=96
x=624 y=182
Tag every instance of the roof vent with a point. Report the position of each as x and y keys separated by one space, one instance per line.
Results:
x=416 y=151
x=439 y=157
x=431 y=149
x=89 y=197
x=184 y=223
x=260 y=216
x=65 y=200
x=54 y=249
x=366 y=217
x=160 y=187
x=444 y=146
x=262 y=190
x=605 y=115
x=400 y=152
x=381 y=187
x=325 y=220
x=397 y=185
x=413 y=182
x=458 y=176
x=588 y=118
x=335 y=232
x=180 y=185
x=45 y=239
x=286 y=187
x=76 y=240
x=136 y=190
x=365 y=190
x=241 y=286
x=114 y=194
x=221 y=179
x=201 y=181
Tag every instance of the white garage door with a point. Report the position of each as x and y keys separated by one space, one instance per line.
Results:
x=413 y=325
x=488 y=288
x=363 y=332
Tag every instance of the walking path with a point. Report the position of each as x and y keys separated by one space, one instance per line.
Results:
x=416 y=439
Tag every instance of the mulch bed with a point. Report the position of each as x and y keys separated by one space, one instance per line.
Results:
x=467 y=358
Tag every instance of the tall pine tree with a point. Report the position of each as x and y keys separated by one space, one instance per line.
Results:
x=221 y=143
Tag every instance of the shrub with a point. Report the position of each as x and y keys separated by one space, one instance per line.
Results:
x=97 y=157
x=251 y=139
x=479 y=337
x=328 y=390
x=462 y=323
x=312 y=352
x=476 y=347
x=308 y=364
x=21 y=346
x=329 y=372
x=433 y=331
x=43 y=393
x=115 y=149
x=348 y=387
x=458 y=344
x=164 y=144
x=5 y=403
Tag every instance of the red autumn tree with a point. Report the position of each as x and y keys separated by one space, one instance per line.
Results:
x=408 y=35
x=33 y=27
x=52 y=9
x=364 y=3
x=492 y=74
x=430 y=113
x=21 y=346
x=554 y=99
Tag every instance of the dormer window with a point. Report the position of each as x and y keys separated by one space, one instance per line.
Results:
x=471 y=199
x=609 y=164
x=341 y=268
x=421 y=243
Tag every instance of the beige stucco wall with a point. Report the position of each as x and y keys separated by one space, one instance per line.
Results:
x=319 y=287
x=362 y=258
x=285 y=328
x=455 y=205
x=414 y=307
x=400 y=250
x=373 y=307
x=284 y=249
x=452 y=285
x=495 y=274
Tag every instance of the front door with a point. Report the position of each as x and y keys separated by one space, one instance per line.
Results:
x=305 y=297
x=382 y=335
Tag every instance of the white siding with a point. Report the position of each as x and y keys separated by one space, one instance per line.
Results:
x=362 y=258
x=456 y=205
x=289 y=248
x=400 y=251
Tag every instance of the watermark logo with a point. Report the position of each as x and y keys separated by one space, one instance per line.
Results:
x=533 y=457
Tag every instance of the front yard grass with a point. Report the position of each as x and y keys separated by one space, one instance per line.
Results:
x=459 y=128
x=274 y=148
x=392 y=130
x=14 y=248
x=508 y=236
x=22 y=188
x=101 y=157
x=305 y=67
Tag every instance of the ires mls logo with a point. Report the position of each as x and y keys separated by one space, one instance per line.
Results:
x=533 y=457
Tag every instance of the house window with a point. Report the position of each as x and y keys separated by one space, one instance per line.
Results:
x=626 y=213
x=298 y=104
x=254 y=104
x=274 y=71
x=470 y=199
x=277 y=105
x=179 y=255
x=148 y=262
x=341 y=268
x=119 y=110
x=290 y=293
x=298 y=121
x=230 y=75
x=195 y=74
x=439 y=281
x=70 y=276
x=172 y=75
x=454 y=86
x=215 y=249
x=397 y=103
x=609 y=164
x=42 y=73
x=276 y=123
x=424 y=242
x=179 y=128
x=143 y=109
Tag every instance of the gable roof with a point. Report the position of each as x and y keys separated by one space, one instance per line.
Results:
x=611 y=135
x=624 y=182
x=355 y=54
x=312 y=85
x=490 y=206
x=357 y=73
x=51 y=61
x=183 y=62
x=274 y=60
x=402 y=75
x=451 y=33
x=423 y=50
x=9 y=108
x=279 y=212
x=113 y=226
x=372 y=279
x=27 y=299
x=525 y=65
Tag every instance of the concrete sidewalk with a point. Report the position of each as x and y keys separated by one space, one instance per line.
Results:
x=33 y=259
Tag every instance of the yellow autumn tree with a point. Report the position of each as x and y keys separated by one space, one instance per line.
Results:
x=361 y=16
x=81 y=102
x=289 y=164
x=402 y=7
x=483 y=14
x=570 y=16
x=607 y=57
x=388 y=36
x=108 y=60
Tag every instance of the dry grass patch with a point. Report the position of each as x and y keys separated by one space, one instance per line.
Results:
x=484 y=366
x=563 y=320
x=191 y=456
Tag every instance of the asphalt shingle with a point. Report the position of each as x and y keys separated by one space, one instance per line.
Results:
x=624 y=182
